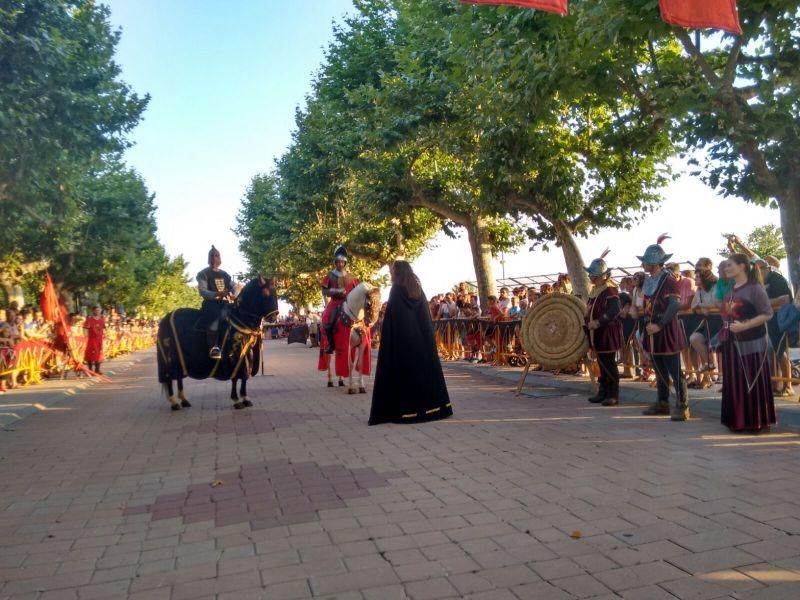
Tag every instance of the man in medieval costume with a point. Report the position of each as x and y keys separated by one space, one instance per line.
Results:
x=604 y=330
x=216 y=289
x=664 y=337
x=335 y=287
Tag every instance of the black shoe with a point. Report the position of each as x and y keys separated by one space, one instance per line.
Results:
x=215 y=353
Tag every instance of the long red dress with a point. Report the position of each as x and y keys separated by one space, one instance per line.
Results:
x=95 y=327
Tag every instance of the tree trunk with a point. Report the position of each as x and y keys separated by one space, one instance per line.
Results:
x=573 y=258
x=790 y=227
x=481 y=259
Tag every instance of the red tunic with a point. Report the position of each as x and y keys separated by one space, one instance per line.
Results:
x=671 y=339
x=94 y=340
x=348 y=282
x=342 y=333
x=607 y=337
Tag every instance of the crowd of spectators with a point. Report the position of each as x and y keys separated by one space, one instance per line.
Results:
x=702 y=290
x=122 y=333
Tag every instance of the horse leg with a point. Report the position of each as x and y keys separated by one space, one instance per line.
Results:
x=237 y=404
x=243 y=392
x=351 y=361
x=174 y=404
x=361 y=388
x=181 y=396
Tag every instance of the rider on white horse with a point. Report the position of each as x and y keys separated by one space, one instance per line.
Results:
x=335 y=286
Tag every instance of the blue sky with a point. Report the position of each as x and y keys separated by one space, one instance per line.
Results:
x=225 y=78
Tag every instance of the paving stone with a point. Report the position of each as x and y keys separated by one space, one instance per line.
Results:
x=513 y=497
x=639 y=575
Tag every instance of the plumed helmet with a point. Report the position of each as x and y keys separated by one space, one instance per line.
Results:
x=340 y=254
x=212 y=252
x=655 y=254
x=598 y=267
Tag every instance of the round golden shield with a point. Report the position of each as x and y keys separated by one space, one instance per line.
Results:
x=552 y=331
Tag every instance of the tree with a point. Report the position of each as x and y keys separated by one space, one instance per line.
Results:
x=732 y=100
x=113 y=248
x=169 y=290
x=499 y=115
x=767 y=240
x=62 y=104
x=764 y=240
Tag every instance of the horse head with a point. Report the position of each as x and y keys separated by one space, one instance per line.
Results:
x=365 y=303
x=257 y=299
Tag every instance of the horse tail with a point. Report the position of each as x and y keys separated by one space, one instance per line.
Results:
x=165 y=389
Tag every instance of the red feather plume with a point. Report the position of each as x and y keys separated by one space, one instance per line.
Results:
x=662 y=237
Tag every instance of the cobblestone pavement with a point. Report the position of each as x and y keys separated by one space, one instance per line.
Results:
x=532 y=498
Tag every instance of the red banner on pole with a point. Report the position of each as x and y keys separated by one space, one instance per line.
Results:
x=697 y=14
x=555 y=6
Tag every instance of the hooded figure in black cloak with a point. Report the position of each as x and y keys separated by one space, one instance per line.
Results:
x=409 y=383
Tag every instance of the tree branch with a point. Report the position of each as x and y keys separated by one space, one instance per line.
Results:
x=419 y=199
x=730 y=67
x=697 y=55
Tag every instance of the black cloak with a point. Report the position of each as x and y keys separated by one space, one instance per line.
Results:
x=409 y=383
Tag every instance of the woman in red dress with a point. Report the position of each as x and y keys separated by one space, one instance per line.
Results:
x=93 y=328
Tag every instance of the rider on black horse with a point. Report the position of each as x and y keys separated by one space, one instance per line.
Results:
x=216 y=288
x=336 y=285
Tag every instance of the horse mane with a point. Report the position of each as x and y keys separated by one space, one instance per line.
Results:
x=372 y=311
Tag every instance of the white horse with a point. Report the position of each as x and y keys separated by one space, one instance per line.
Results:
x=359 y=312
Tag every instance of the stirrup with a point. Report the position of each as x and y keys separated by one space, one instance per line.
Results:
x=215 y=353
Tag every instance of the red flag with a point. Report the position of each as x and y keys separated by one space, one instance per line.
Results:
x=51 y=307
x=719 y=14
x=556 y=6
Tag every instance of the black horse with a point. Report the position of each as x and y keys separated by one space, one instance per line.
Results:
x=183 y=350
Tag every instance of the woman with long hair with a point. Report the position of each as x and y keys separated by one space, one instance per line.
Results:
x=409 y=383
x=747 y=400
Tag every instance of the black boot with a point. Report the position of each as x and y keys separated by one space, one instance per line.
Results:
x=214 y=351
x=329 y=334
x=613 y=395
x=602 y=394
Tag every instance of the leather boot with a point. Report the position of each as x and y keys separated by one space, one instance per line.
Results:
x=613 y=396
x=600 y=395
x=657 y=408
x=681 y=411
x=214 y=351
x=331 y=344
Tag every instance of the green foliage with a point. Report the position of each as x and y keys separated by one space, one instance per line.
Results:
x=113 y=249
x=168 y=291
x=481 y=117
x=731 y=101
x=66 y=201
x=61 y=101
x=767 y=240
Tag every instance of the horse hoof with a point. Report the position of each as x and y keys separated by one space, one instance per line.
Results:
x=351 y=391
x=341 y=384
x=330 y=384
x=247 y=402
x=185 y=403
x=175 y=406
x=362 y=390
x=238 y=405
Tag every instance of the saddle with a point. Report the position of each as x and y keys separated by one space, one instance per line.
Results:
x=205 y=320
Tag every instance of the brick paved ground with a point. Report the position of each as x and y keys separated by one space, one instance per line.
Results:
x=533 y=497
